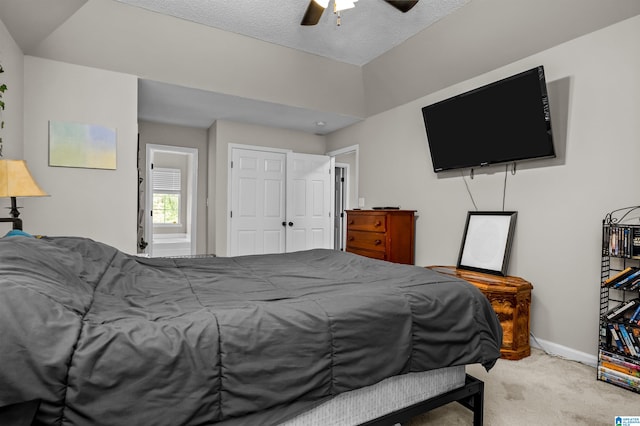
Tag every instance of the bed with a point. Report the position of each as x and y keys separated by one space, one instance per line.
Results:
x=99 y=337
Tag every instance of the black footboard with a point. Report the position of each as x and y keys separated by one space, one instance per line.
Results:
x=471 y=395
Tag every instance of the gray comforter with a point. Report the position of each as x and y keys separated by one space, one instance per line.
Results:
x=105 y=338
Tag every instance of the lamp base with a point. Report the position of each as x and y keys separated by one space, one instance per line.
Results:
x=17 y=222
x=14 y=208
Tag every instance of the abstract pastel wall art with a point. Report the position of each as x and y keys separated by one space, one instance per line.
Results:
x=82 y=145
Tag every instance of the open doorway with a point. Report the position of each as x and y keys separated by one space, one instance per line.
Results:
x=346 y=190
x=341 y=203
x=171 y=200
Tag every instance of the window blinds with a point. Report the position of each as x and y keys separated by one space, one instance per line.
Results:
x=166 y=179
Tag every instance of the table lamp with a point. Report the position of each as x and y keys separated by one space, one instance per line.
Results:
x=16 y=181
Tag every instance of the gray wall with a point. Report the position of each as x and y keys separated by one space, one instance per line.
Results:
x=595 y=105
x=99 y=204
x=12 y=62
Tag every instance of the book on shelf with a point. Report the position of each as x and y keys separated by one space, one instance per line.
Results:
x=621 y=368
x=619 y=360
x=626 y=241
x=613 y=240
x=615 y=337
x=635 y=285
x=627 y=280
x=621 y=241
x=615 y=376
x=628 y=340
x=620 y=309
x=635 y=316
x=619 y=276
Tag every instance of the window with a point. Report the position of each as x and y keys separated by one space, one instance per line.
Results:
x=166 y=196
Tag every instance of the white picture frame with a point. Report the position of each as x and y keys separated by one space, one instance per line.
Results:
x=486 y=242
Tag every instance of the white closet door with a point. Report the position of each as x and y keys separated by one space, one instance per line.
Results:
x=309 y=193
x=257 y=202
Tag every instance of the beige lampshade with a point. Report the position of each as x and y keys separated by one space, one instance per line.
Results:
x=16 y=180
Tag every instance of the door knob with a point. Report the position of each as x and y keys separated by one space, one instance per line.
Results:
x=290 y=223
x=284 y=223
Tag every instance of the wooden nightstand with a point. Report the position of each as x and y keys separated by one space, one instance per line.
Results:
x=510 y=297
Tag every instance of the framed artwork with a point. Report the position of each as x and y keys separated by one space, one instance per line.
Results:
x=82 y=145
x=486 y=242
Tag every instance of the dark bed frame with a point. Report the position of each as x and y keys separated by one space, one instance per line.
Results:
x=471 y=395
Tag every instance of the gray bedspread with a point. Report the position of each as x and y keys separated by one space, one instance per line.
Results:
x=105 y=338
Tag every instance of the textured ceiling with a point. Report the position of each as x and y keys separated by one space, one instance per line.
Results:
x=367 y=31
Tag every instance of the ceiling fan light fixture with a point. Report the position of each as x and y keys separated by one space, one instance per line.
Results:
x=339 y=5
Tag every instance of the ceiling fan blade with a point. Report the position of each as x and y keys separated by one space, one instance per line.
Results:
x=402 y=5
x=313 y=14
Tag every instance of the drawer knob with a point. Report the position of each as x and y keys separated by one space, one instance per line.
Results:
x=352 y=238
x=351 y=222
x=378 y=223
x=377 y=242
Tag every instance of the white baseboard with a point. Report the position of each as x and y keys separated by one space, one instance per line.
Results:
x=563 y=351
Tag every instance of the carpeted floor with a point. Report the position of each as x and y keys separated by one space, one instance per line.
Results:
x=540 y=390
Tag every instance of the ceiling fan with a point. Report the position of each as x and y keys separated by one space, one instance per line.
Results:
x=316 y=7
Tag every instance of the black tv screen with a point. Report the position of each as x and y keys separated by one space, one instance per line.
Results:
x=502 y=122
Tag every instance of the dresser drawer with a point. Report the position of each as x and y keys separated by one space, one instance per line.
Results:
x=374 y=241
x=367 y=222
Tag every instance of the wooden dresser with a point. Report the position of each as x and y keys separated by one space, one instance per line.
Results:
x=382 y=234
x=510 y=297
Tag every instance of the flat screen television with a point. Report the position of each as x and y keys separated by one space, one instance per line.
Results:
x=505 y=121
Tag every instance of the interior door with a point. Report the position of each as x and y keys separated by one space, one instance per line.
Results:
x=340 y=196
x=257 y=202
x=309 y=202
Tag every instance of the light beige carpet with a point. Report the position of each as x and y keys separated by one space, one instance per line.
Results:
x=540 y=390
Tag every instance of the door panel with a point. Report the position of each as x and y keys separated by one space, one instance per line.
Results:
x=273 y=196
x=257 y=202
x=247 y=197
x=246 y=242
x=308 y=201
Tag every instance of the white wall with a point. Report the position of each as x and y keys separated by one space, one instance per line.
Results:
x=99 y=204
x=227 y=132
x=595 y=103
x=12 y=61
